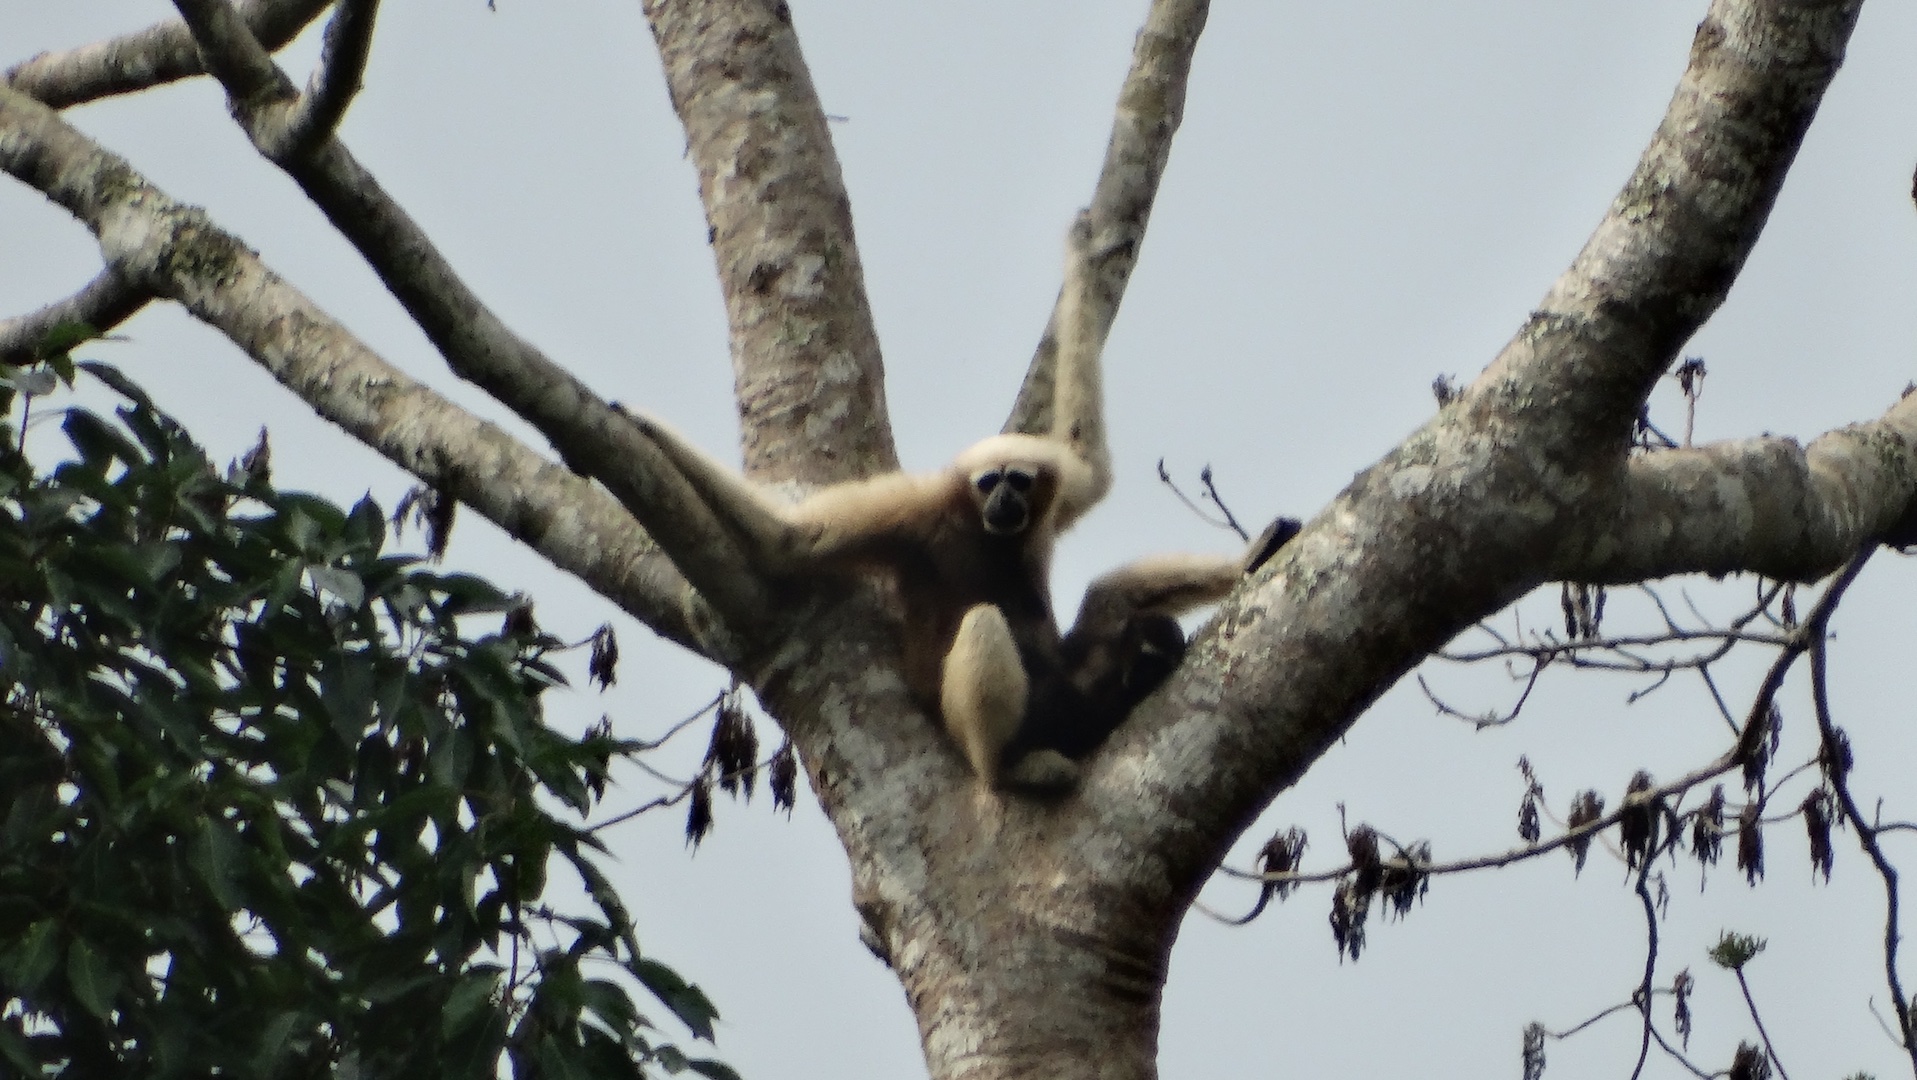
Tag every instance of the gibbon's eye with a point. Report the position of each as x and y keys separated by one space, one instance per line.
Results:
x=1019 y=479
x=986 y=481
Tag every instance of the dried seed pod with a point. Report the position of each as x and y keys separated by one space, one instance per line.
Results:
x=1637 y=821
x=1816 y=811
x=1750 y=843
x=1681 y=988
x=1367 y=866
x=699 y=813
x=1282 y=854
x=784 y=778
x=733 y=753
x=1586 y=808
x=1408 y=879
x=1529 y=825
x=1349 y=907
x=1707 y=828
x=1750 y=1064
x=1533 y=1051
x=602 y=666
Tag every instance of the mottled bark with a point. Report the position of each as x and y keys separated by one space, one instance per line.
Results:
x=1481 y=504
x=805 y=354
x=161 y=53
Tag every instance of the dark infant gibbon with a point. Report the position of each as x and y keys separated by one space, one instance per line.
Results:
x=969 y=548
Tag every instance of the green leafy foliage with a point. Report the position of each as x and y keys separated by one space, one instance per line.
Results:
x=270 y=804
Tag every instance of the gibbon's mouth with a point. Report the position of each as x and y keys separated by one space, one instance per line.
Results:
x=1004 y=517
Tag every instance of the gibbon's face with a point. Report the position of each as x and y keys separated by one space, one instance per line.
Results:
x=1010 y=497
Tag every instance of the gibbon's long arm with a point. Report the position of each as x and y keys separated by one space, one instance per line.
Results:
x=1172 y=584
x=1078 y=398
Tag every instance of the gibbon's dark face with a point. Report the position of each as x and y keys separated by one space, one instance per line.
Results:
x=1007 y=498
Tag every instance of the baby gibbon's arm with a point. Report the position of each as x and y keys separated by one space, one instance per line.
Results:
x=1173 y=584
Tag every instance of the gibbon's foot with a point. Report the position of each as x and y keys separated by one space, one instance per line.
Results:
x=1276 y=535
x=1042 y=772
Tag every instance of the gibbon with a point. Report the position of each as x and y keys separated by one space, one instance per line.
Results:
x=1124 y=644
x=969 y=548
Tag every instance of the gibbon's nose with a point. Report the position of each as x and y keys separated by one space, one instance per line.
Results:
x=1005 y=511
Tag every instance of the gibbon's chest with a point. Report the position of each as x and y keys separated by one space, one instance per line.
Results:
x=956 y=569
x=965 y=566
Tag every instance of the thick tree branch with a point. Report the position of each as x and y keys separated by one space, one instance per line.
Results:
x=342 y=64
x=175 y=251
x=1766 y=505
x=805 y=355
x=1676 y=236
x=1474 y=509
x=1150 y=107
x=103 y=303
x=592 y=436
x=161 y=53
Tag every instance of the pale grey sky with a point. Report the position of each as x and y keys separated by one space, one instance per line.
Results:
x=1364 y=195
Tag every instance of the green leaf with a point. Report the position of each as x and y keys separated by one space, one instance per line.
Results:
x=62 y=338
x=343 y=584
x=93 y=980
x=34 y=958
x=466 y=1003
x=97 y=441
x=610 y=1003
x=215 y=856
x=716 y=1070
x=687 y=1002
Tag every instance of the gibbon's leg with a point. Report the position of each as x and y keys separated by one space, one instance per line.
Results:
x=983 y=689
x=846 y=520
x=749 y=514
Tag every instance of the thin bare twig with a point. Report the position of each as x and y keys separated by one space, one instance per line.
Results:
x=1751 y=1003
x=1836 y=754
x=1689 y=780
x=1650 y=962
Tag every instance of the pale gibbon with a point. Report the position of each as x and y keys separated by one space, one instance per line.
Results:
x=969 y=548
